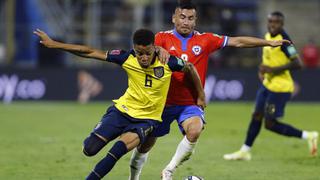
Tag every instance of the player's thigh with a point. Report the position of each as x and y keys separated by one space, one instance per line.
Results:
x=168 y=116
x=191 y=116
x=275 y=105
x=111 y=124
x=261 y=97
x=143 y=128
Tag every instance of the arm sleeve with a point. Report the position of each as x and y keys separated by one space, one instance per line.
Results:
x=217 y=41
x=288 y=49
x=117 y=56
x=176 y=64
x=158 y=39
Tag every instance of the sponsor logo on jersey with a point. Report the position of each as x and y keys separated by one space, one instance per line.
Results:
x=172 y=48
x=158 y=72
x=196 y=50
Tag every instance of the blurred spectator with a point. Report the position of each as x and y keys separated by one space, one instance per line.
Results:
x=310 y=55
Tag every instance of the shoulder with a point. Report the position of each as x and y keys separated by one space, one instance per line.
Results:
x=207 y=34
x=285 y=35
x=288 y=49
x=267 y=35
x=164 y=33
x=119 y=56
x=209 y=37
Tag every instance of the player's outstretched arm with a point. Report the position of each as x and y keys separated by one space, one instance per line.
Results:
x=79 y=50
x=247 y=42
x=192 y=73
x=294 y=64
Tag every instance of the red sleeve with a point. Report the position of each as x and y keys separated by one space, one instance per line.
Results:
x=159 y=39
x=216 y=41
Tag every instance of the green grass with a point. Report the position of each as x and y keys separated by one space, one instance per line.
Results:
x=43 y=141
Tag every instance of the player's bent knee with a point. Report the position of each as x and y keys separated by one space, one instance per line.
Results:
x=193 y=134
x=92 y=145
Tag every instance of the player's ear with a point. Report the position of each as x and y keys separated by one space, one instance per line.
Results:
x=174 y=15
x=174 y=18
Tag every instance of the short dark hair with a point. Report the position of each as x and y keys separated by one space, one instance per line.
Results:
x=186 y=4
x=277 y=13
x=143 y=37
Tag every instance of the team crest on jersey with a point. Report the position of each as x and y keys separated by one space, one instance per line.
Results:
x=196 y=50
x=158 y=72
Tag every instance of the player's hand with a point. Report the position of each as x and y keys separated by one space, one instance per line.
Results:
x=277 y=43
x=260 y=75
x=45 y=39
x=201 y=101
x=162 y=54
x=265 y=69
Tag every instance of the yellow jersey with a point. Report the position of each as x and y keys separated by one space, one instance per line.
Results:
x=147 y=89
x=278 y=56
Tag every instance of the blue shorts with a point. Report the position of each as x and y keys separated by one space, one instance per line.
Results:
x=114 y=123
x=179 y=113
x=271 y=104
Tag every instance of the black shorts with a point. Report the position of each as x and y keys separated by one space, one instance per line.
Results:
x=114 y=123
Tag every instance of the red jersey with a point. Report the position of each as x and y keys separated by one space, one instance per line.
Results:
x=196 y=49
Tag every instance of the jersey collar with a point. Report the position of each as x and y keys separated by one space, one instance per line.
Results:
x=183 y=40
x=175 y=32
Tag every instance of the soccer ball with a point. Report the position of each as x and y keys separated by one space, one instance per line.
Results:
x=194 y=178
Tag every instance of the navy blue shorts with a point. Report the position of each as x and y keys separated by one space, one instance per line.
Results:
x=179 y=113
x=114 y=123
x=271 y=104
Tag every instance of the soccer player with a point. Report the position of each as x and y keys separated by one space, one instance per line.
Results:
x=135 y=114
x=276 y=89
x=183 y=41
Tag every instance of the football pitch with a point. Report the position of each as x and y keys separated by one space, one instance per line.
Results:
x=43 y=140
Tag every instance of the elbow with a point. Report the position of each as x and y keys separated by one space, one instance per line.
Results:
x=299 y=64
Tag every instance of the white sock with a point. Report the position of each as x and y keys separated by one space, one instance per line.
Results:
x=305 y=134
x=245 y=148
x=183 y=153
x=136 y=163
